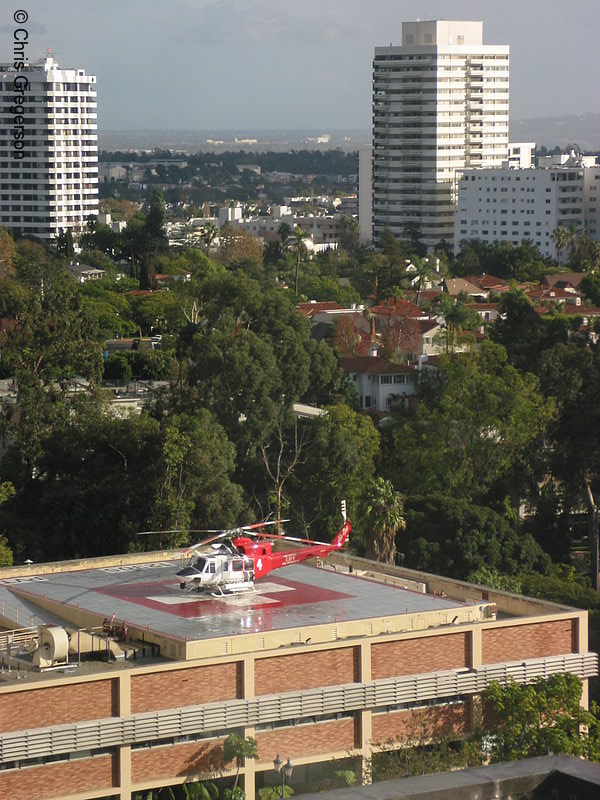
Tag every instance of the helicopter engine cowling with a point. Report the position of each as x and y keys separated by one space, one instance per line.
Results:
x=258 y=550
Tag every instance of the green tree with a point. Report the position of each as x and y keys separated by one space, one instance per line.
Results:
x=521 y=331
x=458 y=318
x=99 y=480
x=239 y=748
x=7 y=253
x=193 y=486
x=424 y=272
x=560 y=238
x=540 y=718
x=456 y=537
x=574 y=240
x=159 y=312
x=384 y=508
x=6 y=556
x=412 y=234
x=135 y=243
x=299 y=249
x=340 y=449
x=483 y=419
x=156 y=236
x=209 y=234
x=486 y=576
x=274 y=792
x=91 y=490
x=590 y=287
x=252 y=355
x=102 y=238
x=570 y=373
x=51 y=343
x=109 y=308
x=284 y=231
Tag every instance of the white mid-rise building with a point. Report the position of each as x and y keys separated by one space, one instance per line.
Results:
x=499 y=205
x=48 y=149
x=521 y=155
x=440 y=104
x=591 y=188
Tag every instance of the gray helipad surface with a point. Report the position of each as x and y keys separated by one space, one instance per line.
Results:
x=149 y=595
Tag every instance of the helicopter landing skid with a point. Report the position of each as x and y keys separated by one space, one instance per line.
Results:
x=234 y=588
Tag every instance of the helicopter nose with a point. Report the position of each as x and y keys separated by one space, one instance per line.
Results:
x=186 y=572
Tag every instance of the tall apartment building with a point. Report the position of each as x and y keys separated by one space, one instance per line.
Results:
x=440 y=104
x=48 y=148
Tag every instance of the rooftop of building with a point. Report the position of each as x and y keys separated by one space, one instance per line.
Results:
x=146 y=597
x=138 y=595
x=372 y=365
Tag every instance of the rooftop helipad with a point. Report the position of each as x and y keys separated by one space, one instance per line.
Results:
x=148 y=597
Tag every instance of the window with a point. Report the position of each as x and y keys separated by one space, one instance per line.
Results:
x=386 y=379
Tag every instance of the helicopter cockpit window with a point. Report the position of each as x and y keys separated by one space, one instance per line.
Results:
x=199 y=563
x=237 y=565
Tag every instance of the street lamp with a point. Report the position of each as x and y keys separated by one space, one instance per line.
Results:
x=285 y=770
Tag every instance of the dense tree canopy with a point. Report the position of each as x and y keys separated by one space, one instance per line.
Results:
x=455 y=537
x=482 y=420
x=541 y=718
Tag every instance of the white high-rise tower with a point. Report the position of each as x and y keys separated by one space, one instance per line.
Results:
x=48 y=148
x=440 y=104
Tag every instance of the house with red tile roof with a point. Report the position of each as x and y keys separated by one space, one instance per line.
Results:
x=315 y=307
x=392 y=307
x=565 y=280
x=488 y=283
x=456 y=286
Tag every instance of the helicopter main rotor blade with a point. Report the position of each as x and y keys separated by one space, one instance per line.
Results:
x=221 y=534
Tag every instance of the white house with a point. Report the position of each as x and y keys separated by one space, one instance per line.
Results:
x=381 y=385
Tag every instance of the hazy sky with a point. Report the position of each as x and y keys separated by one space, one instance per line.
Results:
x=277 y=64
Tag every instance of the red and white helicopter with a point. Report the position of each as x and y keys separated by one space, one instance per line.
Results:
x=231 y=561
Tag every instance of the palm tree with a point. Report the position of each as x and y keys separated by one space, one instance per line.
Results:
x=239 y=748
x=457 y=317
x=423 y=273
x=573 y=240
x=300 y=250
x=594 y=254
x=209 y=234
x=384 y=520
x=284 y=231
x=560 y=237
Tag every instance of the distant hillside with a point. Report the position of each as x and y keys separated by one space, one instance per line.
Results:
x=581 y=129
